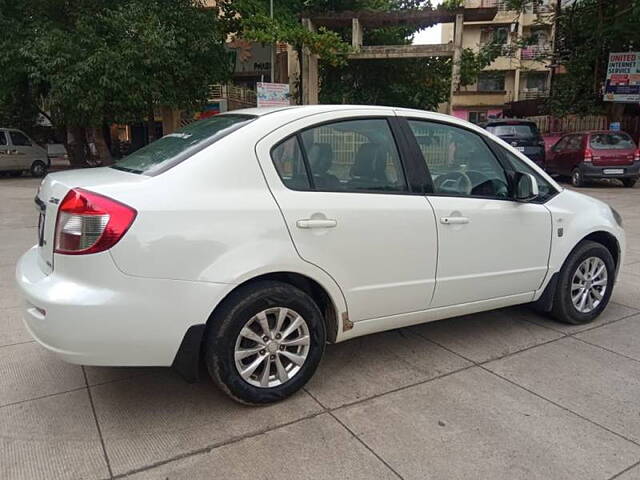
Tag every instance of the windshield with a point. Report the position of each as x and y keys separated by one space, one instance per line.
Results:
x=520 y=131
x=611 y=141
x=173 y=148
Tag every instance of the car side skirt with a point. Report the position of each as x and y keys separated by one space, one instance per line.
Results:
x=374 y=325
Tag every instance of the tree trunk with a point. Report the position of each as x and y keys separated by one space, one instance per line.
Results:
x=151 y=123
x=101 y=146
x=76 y=146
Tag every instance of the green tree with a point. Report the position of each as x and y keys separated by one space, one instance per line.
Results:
x=419 y=83
x=93 y=62
x=587 y=31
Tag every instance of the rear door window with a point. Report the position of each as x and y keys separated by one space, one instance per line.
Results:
x=611 y=141
x=575 y=143
x=3 y=138
x=19 y=139
x=561 y=144
x=354 y=155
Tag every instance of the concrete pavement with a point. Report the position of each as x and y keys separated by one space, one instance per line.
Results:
x=499 y=395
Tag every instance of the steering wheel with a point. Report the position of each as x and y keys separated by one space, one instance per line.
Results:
x=453 y=182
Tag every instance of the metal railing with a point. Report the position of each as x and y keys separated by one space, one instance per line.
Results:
x=234 y=93
x=535 y=52
x=503 y=6
x=530 y=94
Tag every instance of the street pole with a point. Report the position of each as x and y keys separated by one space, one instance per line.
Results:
x=273 y=47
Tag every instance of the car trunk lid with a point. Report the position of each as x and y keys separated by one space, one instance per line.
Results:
x=610 y=158
x=52 y=191
x=611 y=148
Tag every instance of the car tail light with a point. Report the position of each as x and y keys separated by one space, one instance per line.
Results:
x=89 y=223
x=588 y=155
x=636 y=156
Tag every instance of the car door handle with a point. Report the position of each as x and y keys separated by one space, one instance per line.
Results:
x=454 y=220
x=316 y=223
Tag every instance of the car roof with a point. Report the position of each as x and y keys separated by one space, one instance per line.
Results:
x=303 y=110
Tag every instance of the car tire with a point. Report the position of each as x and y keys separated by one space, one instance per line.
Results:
x=629 y=182
x=577 y=180
x=230 y=347
x=38 y=169
x=571 y=304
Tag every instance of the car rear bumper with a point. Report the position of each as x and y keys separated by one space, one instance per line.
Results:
x=599 y=171
x=88 y=312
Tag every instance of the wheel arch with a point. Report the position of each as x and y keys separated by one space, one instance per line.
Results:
x=608 y=240
x=188 y=360
x=545 y=299
x=310 y=286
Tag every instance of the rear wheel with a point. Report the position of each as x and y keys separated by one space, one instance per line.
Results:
x=577 y=179
x=629 y=182
x=585 y=284
x=38 y=169
x=264 y=342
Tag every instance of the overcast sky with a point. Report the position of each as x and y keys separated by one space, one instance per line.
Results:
x=429 y=35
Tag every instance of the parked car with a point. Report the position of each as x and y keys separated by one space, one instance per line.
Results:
x=595 y=154
x=246 y=241
x=523 y=135
x=18 y=153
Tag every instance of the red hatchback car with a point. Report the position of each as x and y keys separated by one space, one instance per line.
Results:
x=596 y=154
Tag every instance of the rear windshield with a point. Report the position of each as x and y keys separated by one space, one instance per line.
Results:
x=520 y=131
x=611 y=141
x=173 y=148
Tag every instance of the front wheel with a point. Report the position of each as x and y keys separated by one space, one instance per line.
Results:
x=629 y=182
x=585 y=284
x=264 y=342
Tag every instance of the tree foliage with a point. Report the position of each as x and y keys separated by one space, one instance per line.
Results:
x=420 y=83
x=88 y=62
x=587 y=31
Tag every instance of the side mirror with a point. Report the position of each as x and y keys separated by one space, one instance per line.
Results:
x=526 y=187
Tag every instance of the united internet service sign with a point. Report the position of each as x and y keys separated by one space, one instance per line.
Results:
x=623 y=78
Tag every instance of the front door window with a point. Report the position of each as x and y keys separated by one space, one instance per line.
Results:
x=459 y=161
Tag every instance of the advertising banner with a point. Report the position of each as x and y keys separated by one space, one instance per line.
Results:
x=272 y=94
x=623 y=78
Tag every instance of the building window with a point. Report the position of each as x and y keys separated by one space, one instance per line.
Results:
x=491 y=82
x=536 y=81
x=478 y=117
x=498 y=35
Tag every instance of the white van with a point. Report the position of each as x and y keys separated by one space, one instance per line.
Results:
x=18 y=153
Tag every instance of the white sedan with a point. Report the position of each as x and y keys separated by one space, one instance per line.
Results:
x=246 y=241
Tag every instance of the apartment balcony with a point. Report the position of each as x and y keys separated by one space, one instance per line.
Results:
x=536 y=52
x=464 y=98
x=503 y=6
x=532 y=94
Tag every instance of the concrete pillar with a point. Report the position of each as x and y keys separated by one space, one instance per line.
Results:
x=516 y=86
x=170 y=120
x=294 y=72
x=310 y=79
x=356 y=34
x=457 y=57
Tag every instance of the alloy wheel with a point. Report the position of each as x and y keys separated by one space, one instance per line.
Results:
x=589 y=284
x=272 y=347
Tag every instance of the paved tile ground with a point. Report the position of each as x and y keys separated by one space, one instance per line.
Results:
x=506 y=394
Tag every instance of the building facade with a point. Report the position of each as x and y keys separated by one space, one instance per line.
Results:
x=518 y=73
